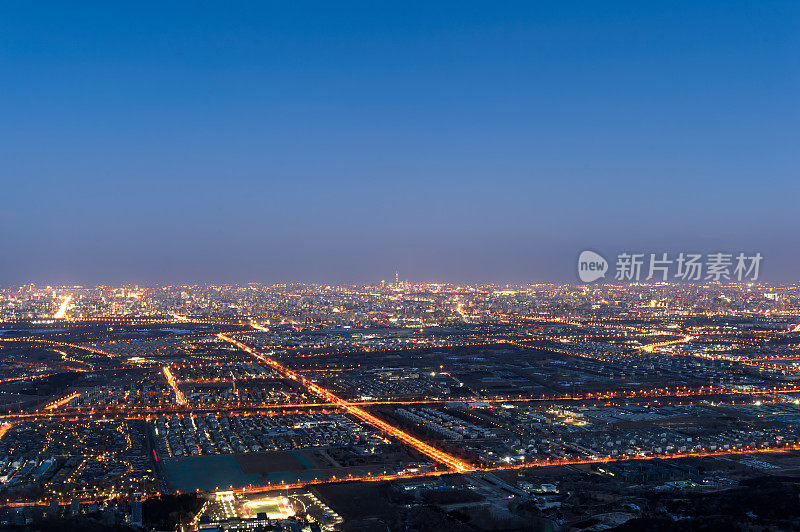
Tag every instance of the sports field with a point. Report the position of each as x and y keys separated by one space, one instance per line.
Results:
x=274 y=507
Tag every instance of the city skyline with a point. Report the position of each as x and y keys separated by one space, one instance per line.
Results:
x=302 y=408
x=399 y=267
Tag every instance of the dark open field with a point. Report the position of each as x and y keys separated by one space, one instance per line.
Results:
x=261 y=463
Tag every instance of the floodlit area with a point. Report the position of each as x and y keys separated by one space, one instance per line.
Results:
x=271 y=507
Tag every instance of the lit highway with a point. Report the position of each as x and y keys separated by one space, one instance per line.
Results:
x=62 y=310
x=179 y=397
x=360 y=413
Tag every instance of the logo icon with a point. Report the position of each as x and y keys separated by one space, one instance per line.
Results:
x=591 y=266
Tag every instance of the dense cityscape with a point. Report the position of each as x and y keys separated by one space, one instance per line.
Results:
x=399 y=266
x=400 y=406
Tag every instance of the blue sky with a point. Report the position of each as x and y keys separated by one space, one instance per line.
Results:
x=337 y=142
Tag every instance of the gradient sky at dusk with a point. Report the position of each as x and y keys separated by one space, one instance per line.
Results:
x=336 y=142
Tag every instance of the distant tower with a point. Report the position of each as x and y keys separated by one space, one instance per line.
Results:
x=397 y=278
